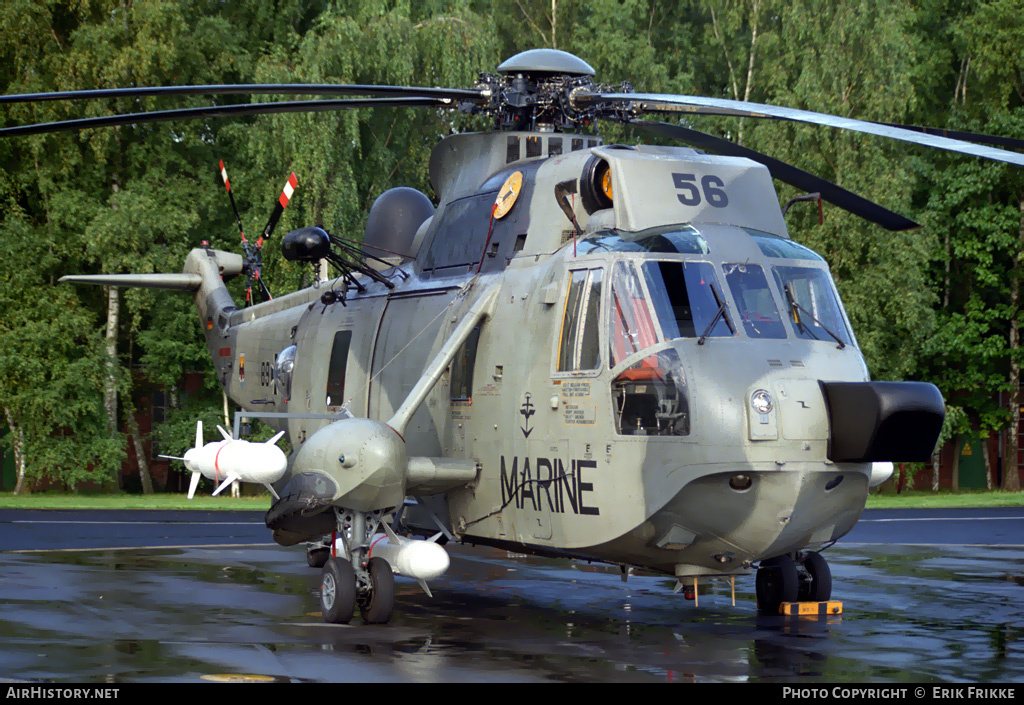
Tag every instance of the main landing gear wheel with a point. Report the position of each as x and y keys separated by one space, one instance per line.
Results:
x=379 y=602
x=338 y=591
x=817 y=587
x=777 y=582
x=317 y=557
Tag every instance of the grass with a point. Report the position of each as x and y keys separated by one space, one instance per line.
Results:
x=926 y=499
x=911 y=499
x=164 y=500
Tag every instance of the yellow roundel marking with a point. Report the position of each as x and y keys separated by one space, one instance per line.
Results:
x=236 y=678
x=508 y=194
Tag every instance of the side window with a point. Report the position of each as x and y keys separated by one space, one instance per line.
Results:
x=579 y=347
x=336 y=370
x=462 y=368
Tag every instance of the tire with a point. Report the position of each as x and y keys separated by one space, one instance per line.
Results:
x=338 y=591
x=776 y=582
x=819 y=587
x=317 y=557
x=379 y=604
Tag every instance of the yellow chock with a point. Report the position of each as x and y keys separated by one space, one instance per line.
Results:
x=811 y=609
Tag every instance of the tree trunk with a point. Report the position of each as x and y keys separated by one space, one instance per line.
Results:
x=988 y=463
x=110 y=386
x=1011 y=478
x=936 y=460
x=957 y=449
x=140 y=451
x=19 y=452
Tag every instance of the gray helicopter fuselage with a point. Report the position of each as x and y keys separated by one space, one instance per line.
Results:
x=612 y=414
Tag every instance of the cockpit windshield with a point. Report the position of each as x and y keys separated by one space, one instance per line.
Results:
x=814 y=310
x=684 y=298
x=656 y=299
x=757 y=309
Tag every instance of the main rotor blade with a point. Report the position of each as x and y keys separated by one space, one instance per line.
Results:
x=253 y=89
x=996 y=140
x=299 y=106
x=786 y=173
x=664 y=103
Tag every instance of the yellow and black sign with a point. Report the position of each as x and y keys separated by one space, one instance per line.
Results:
x=508 y=194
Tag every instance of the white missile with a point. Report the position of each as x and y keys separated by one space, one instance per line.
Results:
x=234 y=459
x=880 y=472
x=413 y=558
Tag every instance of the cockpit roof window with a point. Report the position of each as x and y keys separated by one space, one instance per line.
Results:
x=780 y=247
x=671 y=239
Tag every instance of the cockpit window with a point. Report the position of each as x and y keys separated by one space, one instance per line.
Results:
x=683 y=299
x=757 y=308
x=631 y=326
x=811 y=293
x=780 y=247
x=674 y=239
x=578 y=347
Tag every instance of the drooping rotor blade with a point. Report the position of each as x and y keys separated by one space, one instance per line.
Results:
x=253 y=89
x=665 y=103
x=995 y=140
x=786 y=173
x=299 y=106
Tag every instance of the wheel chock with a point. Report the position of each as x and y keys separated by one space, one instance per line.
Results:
x=811 y=609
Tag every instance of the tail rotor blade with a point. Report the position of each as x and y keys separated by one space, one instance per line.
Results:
x=199 y=434
x=234 y=207
x=282 y=202
x=193 y=484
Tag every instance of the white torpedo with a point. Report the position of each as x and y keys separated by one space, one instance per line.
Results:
x=421 y=560
x=234 y=459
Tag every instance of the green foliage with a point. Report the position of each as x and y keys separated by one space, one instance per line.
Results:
x=931 y=304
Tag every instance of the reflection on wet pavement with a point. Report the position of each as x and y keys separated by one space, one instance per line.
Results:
x=911 y=613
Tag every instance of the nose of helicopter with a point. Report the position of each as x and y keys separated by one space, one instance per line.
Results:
x=748 y=512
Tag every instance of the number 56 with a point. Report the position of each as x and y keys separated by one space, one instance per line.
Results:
x=711 y=185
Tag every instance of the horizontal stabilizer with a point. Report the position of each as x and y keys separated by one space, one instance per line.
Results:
x=181 y=282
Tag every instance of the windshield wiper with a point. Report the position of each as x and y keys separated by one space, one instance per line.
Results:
x=794 y=307
x=720 y=313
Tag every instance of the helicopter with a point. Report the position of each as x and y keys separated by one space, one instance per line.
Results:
x=595 y=351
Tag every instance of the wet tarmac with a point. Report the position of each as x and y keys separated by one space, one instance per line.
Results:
x=108 y=597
